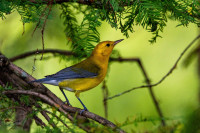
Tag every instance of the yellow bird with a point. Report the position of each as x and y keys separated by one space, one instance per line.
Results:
x=85 y=75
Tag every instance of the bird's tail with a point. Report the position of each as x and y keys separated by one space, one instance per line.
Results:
x=39 y=80
x=46 y=81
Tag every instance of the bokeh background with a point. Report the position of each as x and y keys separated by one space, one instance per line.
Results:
x=177 y=95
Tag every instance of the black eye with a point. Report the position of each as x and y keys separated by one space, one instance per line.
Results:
x=108 y=45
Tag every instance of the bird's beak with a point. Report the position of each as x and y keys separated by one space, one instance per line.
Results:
x=118 y=41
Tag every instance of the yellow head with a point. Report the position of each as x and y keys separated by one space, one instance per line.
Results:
x=104 y=49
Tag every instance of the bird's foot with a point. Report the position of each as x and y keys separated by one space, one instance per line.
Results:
x=67 y=103
x=83 y=110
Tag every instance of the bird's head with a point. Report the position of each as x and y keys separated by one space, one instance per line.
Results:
x=105 y=48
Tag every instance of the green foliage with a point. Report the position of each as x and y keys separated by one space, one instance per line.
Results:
x=81 y=36
x=124 y=15
x=193 y=122
x=5 y=8
x=28 y=11
x=152 y=15
x=5 y=129
x=32 y=13
x=174 y=125
x=25 y=99
x=6 y=114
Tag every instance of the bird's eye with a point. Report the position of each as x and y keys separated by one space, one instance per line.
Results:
x=108 y=45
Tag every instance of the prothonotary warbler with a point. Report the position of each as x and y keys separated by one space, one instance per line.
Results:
x=85 y=75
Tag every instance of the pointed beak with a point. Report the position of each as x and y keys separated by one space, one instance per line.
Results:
x=118 y=41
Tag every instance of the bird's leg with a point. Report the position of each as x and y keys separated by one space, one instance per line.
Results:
x=65 y=97
x=77 y=96
x=85 y=109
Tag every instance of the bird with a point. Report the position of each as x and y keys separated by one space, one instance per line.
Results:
x=84 y=75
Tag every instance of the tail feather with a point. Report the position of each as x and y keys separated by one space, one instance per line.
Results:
x=40 y=80
x=46 y=81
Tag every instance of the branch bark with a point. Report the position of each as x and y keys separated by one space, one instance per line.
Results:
x=45 y=51
x=21 y=118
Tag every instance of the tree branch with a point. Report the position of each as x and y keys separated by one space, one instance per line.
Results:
x=31 y=53
x=39 y=122
x=62 y=52
x=65 y=108
x=105 y=96
x=152 y=94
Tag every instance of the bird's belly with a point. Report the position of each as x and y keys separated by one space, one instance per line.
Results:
x=69 y=89
x=81 y=84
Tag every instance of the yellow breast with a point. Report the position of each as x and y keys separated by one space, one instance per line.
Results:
x=81 y=84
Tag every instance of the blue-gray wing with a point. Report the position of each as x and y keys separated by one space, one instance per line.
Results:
x=72 y=73
x=67 y=73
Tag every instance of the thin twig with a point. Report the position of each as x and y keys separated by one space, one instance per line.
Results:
x=38 y=121
x=30 y=53
x=43 y=27
x=152 y=94
x=62 y=52
x=163 y=78
x=147 y=81
x=23 y=28
x=113 y=12
x=2 y=84
x=34 y=61
x=46 y=116
x=105 y=96
x=43 y=13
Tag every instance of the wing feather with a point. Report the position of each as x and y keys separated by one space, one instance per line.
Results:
x=83 y=69
x=72 y=73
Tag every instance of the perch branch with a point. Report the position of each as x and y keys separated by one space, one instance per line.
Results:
x=65 y=108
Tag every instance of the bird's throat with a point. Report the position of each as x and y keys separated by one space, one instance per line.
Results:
x=100 y=60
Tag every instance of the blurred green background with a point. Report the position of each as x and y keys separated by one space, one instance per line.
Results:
x=177 y=95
